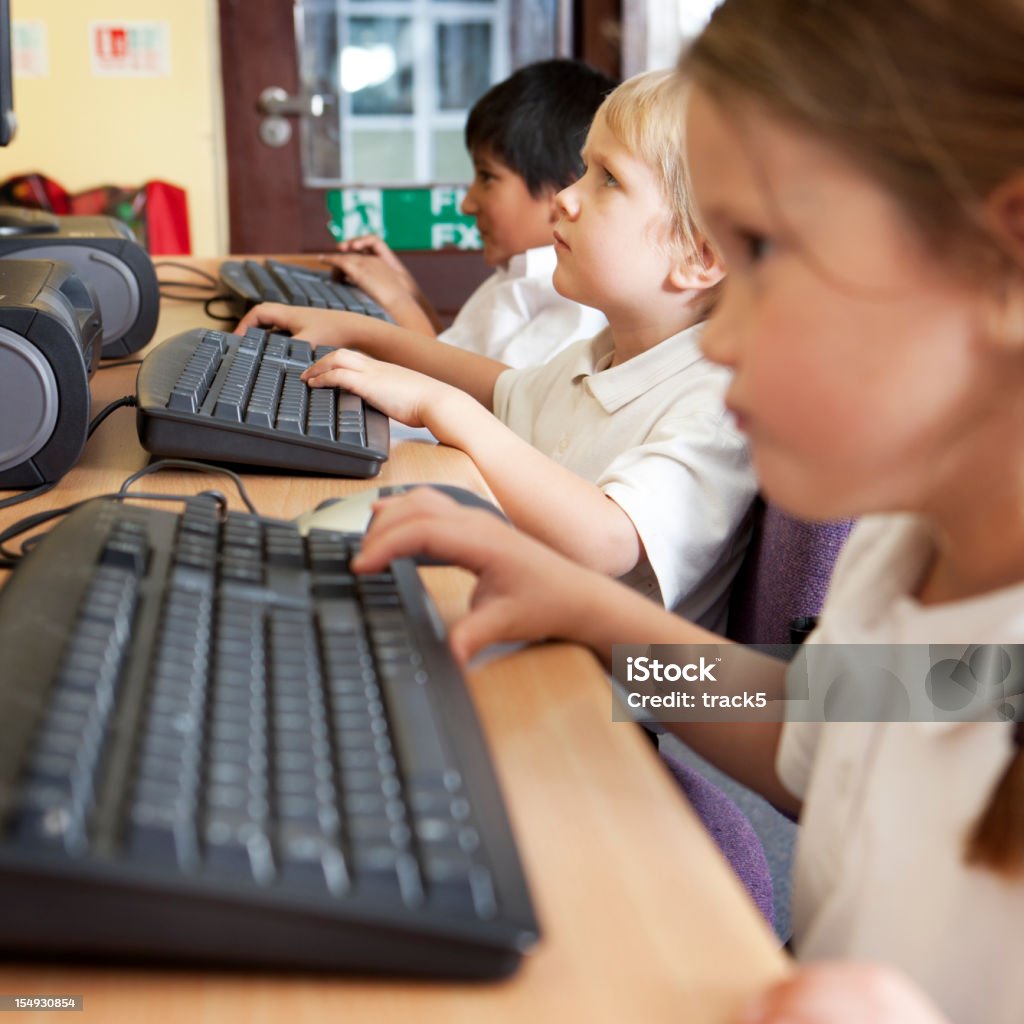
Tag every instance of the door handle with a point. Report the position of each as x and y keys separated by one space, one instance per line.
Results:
x=276 y=105
x=276 y=102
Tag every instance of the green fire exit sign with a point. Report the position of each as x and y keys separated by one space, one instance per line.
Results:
x=406 y=218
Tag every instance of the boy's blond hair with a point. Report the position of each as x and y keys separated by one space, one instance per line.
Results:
x=647 y=115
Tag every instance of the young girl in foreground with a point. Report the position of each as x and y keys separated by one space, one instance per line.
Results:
x=861 y=167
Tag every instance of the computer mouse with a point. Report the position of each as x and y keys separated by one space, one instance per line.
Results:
x=20 y=220
x=352 y=514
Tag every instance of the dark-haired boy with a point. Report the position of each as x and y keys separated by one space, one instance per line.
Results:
x=524 y=136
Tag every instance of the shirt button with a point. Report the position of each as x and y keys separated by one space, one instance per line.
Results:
x=563 y=444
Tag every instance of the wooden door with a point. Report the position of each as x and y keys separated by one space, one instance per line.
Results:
x=271 y=210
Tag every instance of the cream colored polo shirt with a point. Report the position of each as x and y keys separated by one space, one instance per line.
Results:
x=879 y=871
x=518 y=318
x=654 y=435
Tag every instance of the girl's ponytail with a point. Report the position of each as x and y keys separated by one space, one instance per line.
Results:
x=998 y=838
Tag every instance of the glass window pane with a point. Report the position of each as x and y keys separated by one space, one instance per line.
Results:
x=451 y=161
x=318 y=70
x=383 y=157
x=463 y=63
x=377 y=65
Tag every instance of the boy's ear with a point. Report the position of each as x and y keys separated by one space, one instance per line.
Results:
x=707 y=271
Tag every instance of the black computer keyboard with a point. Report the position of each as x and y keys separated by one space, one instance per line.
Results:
x=253 y=281
x=219 y=746
x=239 y=399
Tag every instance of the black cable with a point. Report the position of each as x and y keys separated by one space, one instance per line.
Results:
x=188 y=268
x=9 y=559
x=101 y=416
x=175 y=289
x=231 y=319
x=35 y=492
x=203 y=467
x=191 y=292
x=206 y=301
x=166 y=292
x=188 y=286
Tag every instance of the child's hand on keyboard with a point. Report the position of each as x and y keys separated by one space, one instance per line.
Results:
x=843 y=993
x=375 y=276
x=393 y=290
x=407 y=396
x=317 y=326
x=525 y=591
x=374 y=245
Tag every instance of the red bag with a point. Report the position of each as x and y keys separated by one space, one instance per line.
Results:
x=167 y=219
x=157 y=212
x=36 y=191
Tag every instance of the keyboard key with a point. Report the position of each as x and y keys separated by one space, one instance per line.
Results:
x=263 y=283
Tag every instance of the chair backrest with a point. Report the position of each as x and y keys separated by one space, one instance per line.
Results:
x=730 y=829
x=784 y=575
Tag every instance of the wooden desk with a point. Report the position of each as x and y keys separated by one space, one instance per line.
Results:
x=642 y=921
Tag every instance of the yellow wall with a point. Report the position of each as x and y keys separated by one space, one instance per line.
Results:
x=84 y=130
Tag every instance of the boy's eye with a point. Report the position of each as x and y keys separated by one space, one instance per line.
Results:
x=755 y=246
x=602 y=173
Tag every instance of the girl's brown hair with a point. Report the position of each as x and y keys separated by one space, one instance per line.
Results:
x=927 y=97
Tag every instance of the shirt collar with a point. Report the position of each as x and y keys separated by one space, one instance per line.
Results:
x=615 y=386
x=533 y=263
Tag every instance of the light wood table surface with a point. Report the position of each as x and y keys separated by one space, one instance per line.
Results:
x=642 y=921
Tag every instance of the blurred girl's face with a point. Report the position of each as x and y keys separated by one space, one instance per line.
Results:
x=859 y=377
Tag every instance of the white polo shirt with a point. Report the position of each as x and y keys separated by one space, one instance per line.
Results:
x=654 y=435
x=879 y=871
x=518 y=318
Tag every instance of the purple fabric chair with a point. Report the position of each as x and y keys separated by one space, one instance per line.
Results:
x=784 y=575
x=731 y=831
x=783 y=578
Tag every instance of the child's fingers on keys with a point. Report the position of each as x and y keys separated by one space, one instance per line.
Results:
x=345 y=377
x=354 y=266
x=357 y=243
x=266 y=314
x=337 y=359
x=419 y=503
x=455 y=535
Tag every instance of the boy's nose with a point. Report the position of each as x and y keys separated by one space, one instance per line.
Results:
x=468 y=205
x=567 y=201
